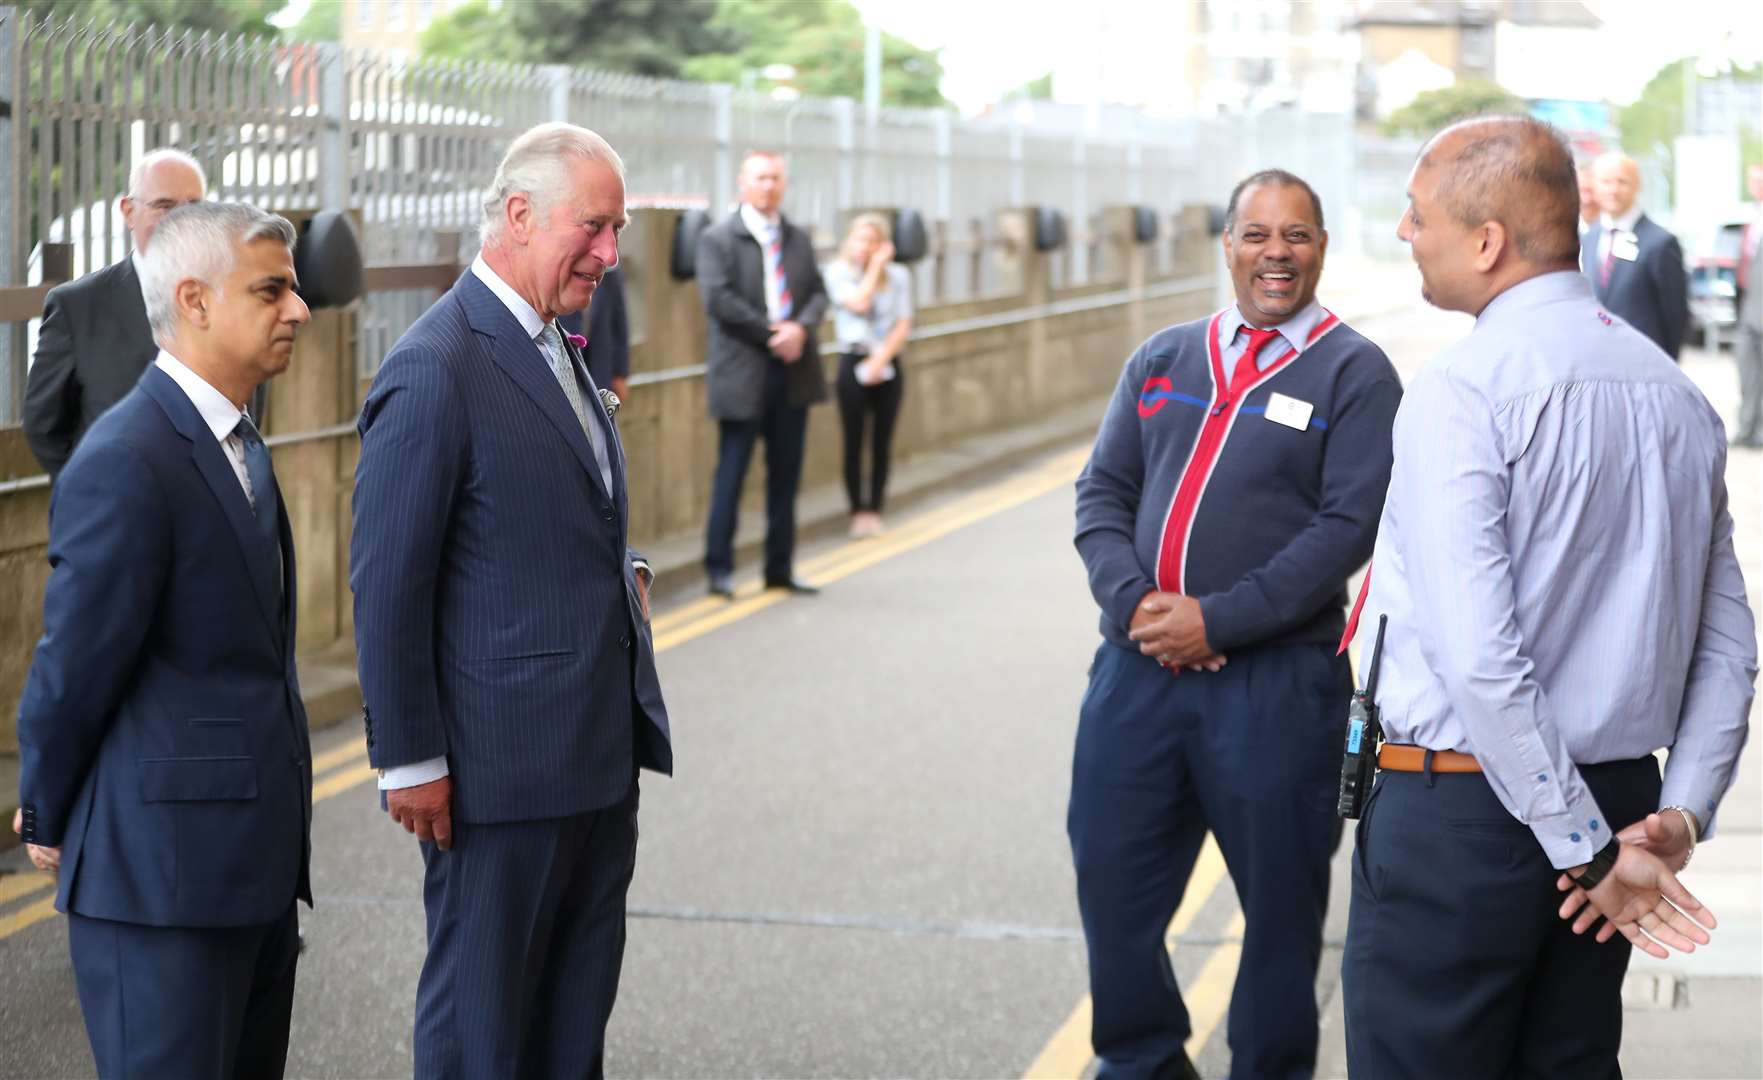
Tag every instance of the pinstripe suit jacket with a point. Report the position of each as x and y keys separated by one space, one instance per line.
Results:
x=496 y=613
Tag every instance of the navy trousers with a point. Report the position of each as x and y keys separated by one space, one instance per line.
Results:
x=1457 y=964
x=784 y=427
x=181 y=1003
x=525 y=945
x=1251 y=752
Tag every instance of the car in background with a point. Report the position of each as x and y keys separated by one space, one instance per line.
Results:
x=1713 y=284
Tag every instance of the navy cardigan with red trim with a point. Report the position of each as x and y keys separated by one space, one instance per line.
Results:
x=1189 y=491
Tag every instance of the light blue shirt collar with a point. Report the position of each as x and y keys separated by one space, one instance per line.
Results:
x=1296 y=330
x=1532 y=292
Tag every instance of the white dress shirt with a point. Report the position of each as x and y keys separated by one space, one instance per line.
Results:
x=1625 y=223
x=221 y=415
x=760 y=226
x=1556 y=561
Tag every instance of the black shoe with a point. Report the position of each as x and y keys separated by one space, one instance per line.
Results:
x=795 y=585
x=722 y=585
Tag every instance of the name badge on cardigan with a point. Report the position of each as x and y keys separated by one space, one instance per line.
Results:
x=1289 y=411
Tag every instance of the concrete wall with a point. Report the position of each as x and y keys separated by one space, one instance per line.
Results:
x=973 y=368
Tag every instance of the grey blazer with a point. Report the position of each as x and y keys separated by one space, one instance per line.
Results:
x=731 y=281
x=92 y=348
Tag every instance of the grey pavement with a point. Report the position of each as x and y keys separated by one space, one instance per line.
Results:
x=861 y=869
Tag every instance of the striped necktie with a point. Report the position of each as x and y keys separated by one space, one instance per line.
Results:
x=551 y=341
x=775 y=245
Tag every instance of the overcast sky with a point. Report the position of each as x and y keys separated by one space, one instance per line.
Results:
x=991 y=46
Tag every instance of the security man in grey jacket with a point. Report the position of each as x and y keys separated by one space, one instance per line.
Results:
x=764 y=297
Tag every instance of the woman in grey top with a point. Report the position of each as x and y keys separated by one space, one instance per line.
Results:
x=872 y=313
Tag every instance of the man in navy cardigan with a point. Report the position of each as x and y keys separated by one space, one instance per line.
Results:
x=1235 y=484
x=502 y=629
x=164 y=755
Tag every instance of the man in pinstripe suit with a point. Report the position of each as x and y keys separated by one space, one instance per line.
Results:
x=502 y=630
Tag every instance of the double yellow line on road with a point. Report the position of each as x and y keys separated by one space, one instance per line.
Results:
x=1067 y=1054
x=344 y=767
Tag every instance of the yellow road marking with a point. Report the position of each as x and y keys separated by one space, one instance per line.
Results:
x=336 y=755
x=702 y=616
x=1063 y=467
x=1209 y=997
x=13 y=886
x=30 y=916
x=343 y=779
x=1068 y=1052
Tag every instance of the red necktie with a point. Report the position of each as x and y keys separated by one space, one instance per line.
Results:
x=1358 y=606
x=1609 y=256
x=1247 y=372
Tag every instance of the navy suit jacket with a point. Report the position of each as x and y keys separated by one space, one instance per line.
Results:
x=1651 y=293
x=496 y=612
x=163 y=741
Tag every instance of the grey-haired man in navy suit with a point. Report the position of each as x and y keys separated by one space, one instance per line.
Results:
x=502 y=629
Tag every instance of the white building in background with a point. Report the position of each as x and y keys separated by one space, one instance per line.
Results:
x=1207 y=57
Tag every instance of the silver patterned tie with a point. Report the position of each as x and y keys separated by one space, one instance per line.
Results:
x=550 y=340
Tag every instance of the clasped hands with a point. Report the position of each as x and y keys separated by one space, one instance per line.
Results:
x=787 y=340
x=1641 y=897
x=1169 y=628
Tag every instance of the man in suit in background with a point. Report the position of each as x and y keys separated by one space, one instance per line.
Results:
x=1636 y=266
x=1588 y=199
x=765 y=300
x=163 y=744
x=1748 y=350
x=94 y=342
x=609 y=335
x=502 y=629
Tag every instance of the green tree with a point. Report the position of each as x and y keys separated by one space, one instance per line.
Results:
x=217 y=16
x=1040 y=89
x=824 y=41
x=1649 y=128
x=1433 y=109
x=323 y=21
x=471 y=31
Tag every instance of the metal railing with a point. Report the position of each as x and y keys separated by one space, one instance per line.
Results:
x=409 y=145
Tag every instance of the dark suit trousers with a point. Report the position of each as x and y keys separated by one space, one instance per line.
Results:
x=784 y=427
x=173 y=1003
x=525 y=943
x=1457 y=964
x=1251 y=753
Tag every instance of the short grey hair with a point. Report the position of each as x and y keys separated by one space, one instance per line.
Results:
x=537 y=166
x=200 y=241
x=154 y=157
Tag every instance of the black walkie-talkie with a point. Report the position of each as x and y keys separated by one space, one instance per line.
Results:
x=1359 y=764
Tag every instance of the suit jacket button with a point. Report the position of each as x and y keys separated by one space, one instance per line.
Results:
x=624 y=642
x=606 y=512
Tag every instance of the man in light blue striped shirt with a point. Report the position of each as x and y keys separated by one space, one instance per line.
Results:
x=1556 y=562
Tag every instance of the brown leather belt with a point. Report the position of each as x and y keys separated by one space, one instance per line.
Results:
x=1399 y=758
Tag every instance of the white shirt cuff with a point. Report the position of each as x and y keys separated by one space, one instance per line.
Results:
x=403 y=776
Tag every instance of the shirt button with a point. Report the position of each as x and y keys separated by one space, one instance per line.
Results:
x=1594 y=824
x=1542 y=777
x=1573 y=837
